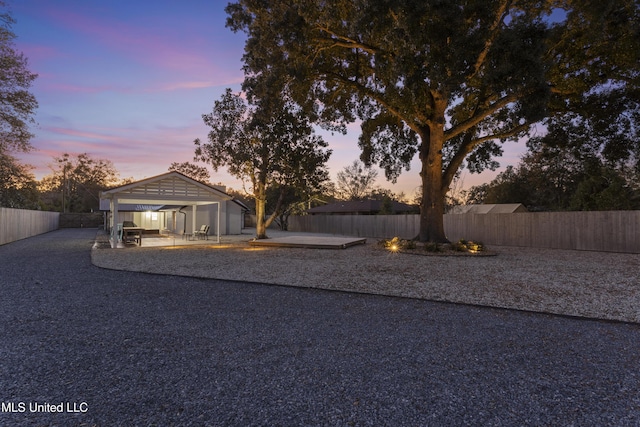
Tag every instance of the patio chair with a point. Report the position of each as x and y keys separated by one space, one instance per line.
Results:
x=203 y=233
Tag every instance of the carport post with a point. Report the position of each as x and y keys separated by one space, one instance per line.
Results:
x=193 y=217
x=113 y=205
x=218 y=226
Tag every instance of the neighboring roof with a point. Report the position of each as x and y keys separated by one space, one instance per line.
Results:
x=489 y=208
x=169 y=188
x=360 y=206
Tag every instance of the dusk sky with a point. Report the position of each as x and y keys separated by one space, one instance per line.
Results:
x=129 y=81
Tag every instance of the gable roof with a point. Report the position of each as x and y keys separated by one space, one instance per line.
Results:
x=360 y=207
x=169 y=188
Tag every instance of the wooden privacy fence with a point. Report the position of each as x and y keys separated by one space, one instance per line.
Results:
x=379 y=226
x=607 y=231
x=16 y=224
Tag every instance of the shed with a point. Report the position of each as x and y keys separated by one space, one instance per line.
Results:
x=173 y=202
x=489 y=208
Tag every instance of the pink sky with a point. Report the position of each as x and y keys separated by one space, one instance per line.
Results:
x=128 y=81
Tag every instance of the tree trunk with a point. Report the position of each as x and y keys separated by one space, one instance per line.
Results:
x=432 y=204
x=261 y=205
x=261 y=229
x=262 y=222
x=431 y=210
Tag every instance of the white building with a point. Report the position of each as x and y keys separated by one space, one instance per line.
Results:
x=175 y=203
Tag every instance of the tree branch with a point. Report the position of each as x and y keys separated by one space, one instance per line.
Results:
x=376 y=96
x=468 y=145
x=347 y=42
x=494 y=30
x=481 y=115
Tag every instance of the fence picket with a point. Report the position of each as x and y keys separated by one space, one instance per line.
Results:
x=16 y=224
x=607 y=231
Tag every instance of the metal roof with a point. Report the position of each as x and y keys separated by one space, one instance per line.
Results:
x=489 y=208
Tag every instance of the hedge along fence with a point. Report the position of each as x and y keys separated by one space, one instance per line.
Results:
x=606 y=231
x=16 y=224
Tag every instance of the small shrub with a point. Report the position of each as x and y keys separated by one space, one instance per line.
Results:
x=432 y=247
x=459 y=246
x=383 y=243
x=391 y=244
x=397 y=243
x=475 y=246
x=409 y=244
x=463 y=245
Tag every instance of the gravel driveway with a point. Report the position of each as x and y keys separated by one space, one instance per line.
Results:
x=123 y=349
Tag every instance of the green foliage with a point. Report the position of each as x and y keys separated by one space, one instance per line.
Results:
x=604 y=189
x=396 y=244
x=293 y=201
x=18 y=104
x=17 y=107
x=462 y=245
x=267 y=144
x=196 y=172
x=433 y=247
x=75 y=183
x=552 y=178
x=18 y=187
x=387 y=206
x=449 y=81
x=409 y=244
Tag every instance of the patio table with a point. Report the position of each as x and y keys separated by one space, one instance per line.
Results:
x=136 y=232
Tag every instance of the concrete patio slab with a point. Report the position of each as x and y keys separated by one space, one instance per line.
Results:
x=315 y=242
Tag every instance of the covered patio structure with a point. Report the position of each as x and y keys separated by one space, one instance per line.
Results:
x=172 y=190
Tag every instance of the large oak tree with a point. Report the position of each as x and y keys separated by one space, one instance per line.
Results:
x=447 y=80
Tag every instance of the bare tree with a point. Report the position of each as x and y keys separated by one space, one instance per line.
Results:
x=356 y=181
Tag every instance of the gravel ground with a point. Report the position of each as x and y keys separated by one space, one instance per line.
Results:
x=143 y=349
x=576 y=283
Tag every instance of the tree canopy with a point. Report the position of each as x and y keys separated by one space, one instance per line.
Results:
x=18 y=187
x=270 y=144
x=556 y=179
x=448 y=81
x=196 y=172
x=75 y=183
x=17 y=107
x=17 y=104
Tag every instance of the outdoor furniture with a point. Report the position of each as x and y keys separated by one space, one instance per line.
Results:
x=202 y=233
x=130 y=231
x=133 y=234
